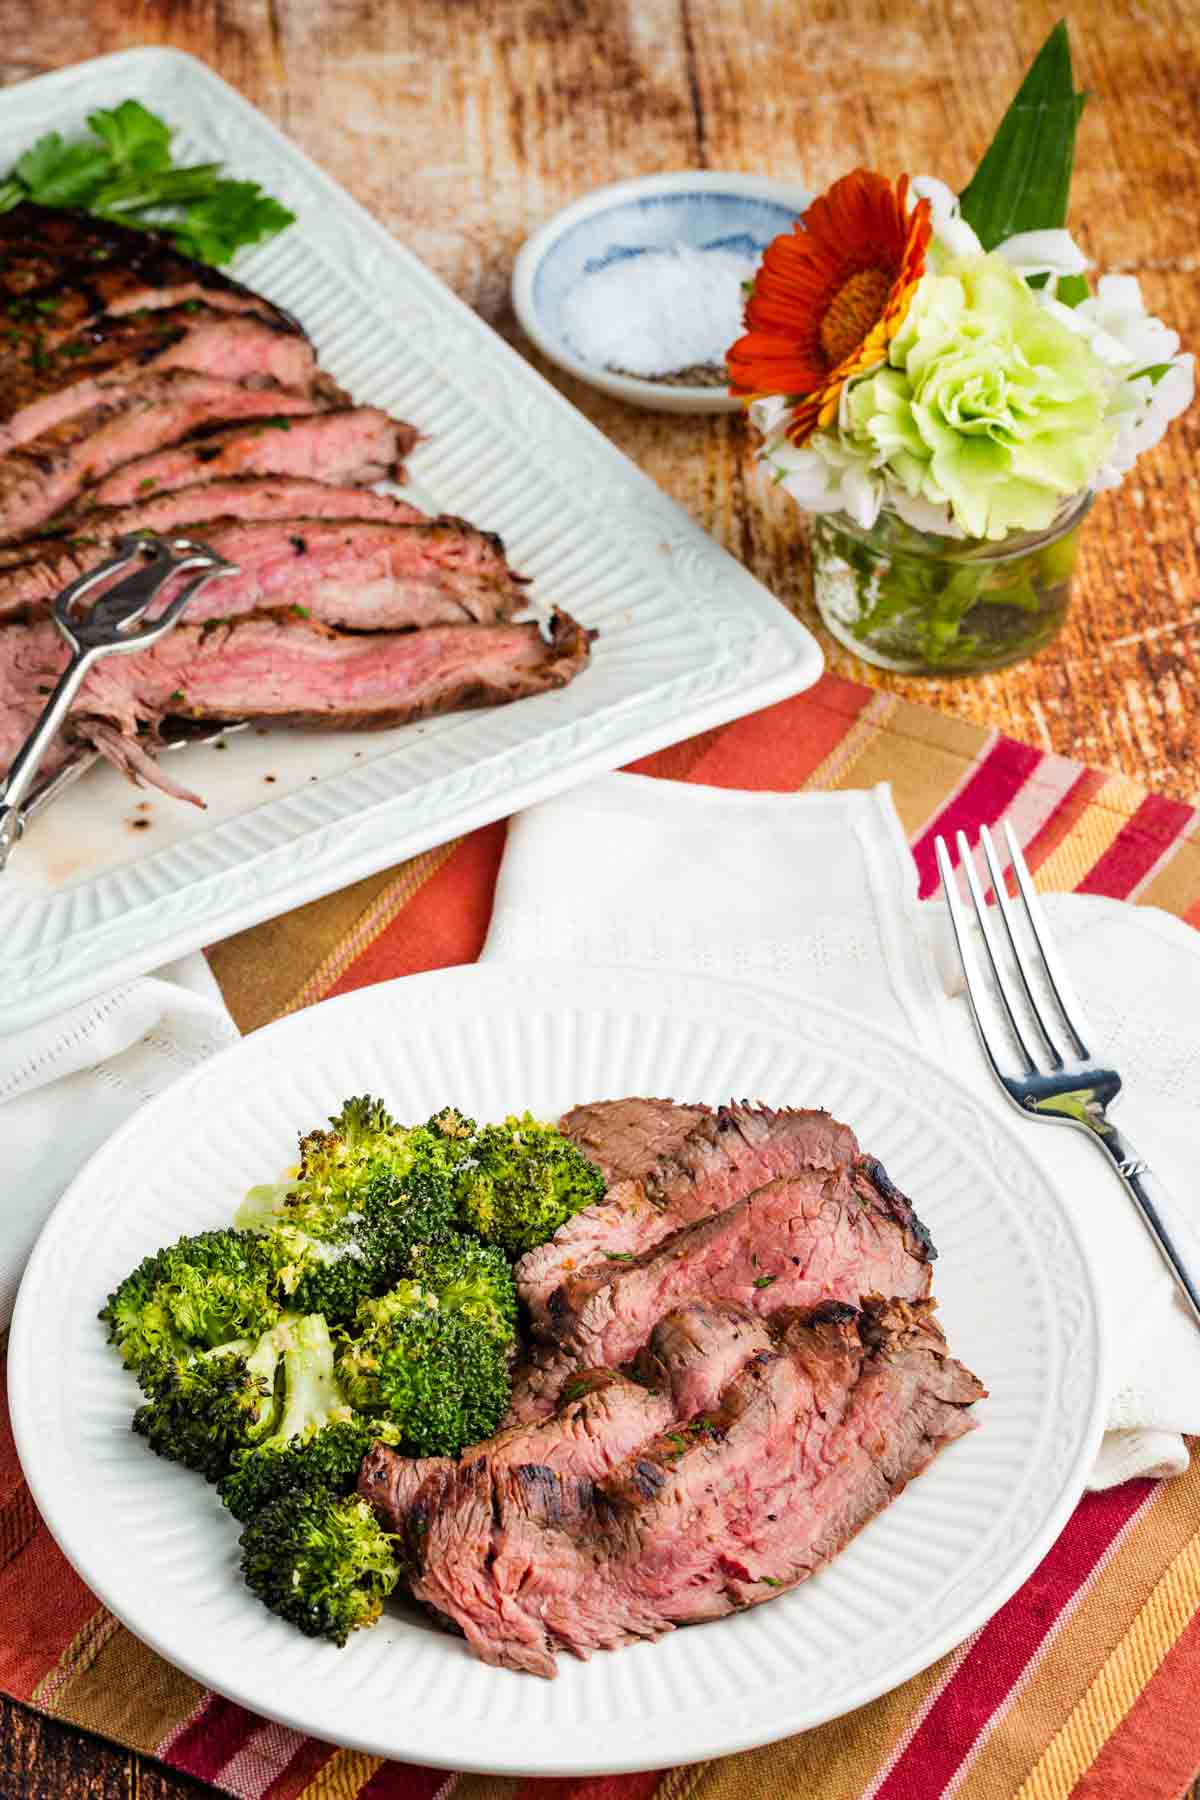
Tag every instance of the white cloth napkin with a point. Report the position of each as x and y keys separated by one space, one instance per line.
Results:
x=66 y=1085
x=817 y=893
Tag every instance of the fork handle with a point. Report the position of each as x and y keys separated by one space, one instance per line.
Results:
x=1150 y=1198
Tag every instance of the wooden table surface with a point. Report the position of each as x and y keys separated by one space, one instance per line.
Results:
x=465 y=124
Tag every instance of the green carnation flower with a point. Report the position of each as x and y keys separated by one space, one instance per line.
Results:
x=987 y=404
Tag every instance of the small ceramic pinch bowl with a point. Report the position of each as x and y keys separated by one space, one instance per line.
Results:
x=700 y=208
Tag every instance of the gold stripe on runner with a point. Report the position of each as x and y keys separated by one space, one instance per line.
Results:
x=1176 y=884
x=926 y=757
x=839 y=1758
x=376 y=919
x=680 y=1784
x=1110 y=1601
x=124 y=1691
x=1123 y=1676
x=835 y=769
x=259 y=970
x=1093 y=833
x=487 y=1787
x=78 y=1654
x=343 y=1777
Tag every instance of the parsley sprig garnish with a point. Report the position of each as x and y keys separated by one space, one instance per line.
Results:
x=124 y=171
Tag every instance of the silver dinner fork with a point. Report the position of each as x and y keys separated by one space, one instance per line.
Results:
x=1059 y=1080
x=113 y=625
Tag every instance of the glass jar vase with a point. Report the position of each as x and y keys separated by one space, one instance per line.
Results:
x=923 y=604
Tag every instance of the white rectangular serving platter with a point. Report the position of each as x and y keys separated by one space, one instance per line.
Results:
x=111 y=880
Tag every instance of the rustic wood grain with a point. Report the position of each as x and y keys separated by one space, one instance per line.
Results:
x=463 y=125
x=43 y=1760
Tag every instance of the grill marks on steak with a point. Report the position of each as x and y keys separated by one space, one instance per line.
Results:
x=60 y=269
x=809 y=1439
x=40 y=478
x=40 y=388
x=671 y=1166
x=364 y=574
x=349 y=446
x=288 y=670
x=813 y=1235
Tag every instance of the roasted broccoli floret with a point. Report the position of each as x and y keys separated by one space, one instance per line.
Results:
x=524 y=1180
x=317 y=1437
x=196 y=1294
x=328 y=1459
x=441 y=1377
x=470 y=1278
x=321 y=1561
x=204 y=1410
x=366 y=1192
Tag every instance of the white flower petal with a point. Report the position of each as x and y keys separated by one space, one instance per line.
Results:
x=1033 y=252
x=950 y=229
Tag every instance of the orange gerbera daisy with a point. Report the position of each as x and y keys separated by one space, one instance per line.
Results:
x=830 y=296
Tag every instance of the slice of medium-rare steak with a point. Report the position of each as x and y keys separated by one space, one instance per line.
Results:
x=286 y=670
x=675 y=1165
x=810 y=1236
x=366 y=574
x=39 y=388
x=694 y=1353
x=40 y=478
x=62 y=268
x=350 y=446
x=629 y=1139
x=808 y=1442
x=241 y=498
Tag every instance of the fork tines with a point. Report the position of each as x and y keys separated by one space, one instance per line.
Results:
x=1020 y=959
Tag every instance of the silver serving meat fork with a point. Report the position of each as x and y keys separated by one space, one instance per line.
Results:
x=1060 y=1080
x=113 y=625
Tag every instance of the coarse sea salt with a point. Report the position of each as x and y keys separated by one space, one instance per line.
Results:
x=660 y=311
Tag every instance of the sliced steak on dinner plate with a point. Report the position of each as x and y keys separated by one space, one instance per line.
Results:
x=667 y=1166
x=808 y=1441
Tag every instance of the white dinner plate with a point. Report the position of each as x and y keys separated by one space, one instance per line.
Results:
x=1017 y=1302
x=111 y=881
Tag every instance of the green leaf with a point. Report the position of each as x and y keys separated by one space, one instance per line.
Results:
x=58 y=174
x=125 y=173
x=137 y=141
x=1024 y=180
x=1155 y=371
x=1072 y=289
x=236 y=213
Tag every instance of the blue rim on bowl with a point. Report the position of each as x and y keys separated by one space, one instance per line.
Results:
x=703 y=208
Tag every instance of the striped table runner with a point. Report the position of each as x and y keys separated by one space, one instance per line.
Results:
x=1086 y=1683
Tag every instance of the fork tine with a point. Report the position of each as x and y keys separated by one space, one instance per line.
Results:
x=1018 y=954
x=1074 y=1021
x=985 y=931
x=966 y=955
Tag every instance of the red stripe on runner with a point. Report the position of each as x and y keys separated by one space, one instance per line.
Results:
x=403 y=1781
x=1005 y=1645
x=444 y=923
x=598 y=1787
x=1155 y=1750
x=217 y=1734
x=776 y=750
x=1137 y=847
x=980 y=801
